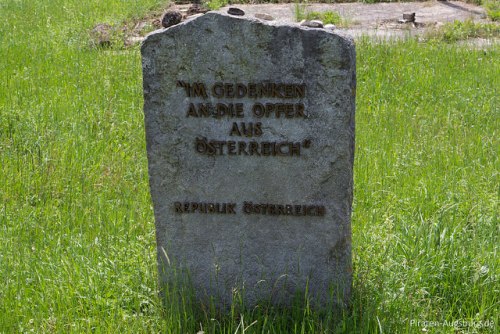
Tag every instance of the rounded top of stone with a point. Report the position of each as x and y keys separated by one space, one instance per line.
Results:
x=227 y=18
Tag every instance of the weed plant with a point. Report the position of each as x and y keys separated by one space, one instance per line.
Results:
x=327 y=17
x=492 y=9
x=216 y=4
x=302 y=12
x=463 y=30
x=77 y=243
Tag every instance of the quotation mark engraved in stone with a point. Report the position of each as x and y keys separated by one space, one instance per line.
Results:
x=196 y=89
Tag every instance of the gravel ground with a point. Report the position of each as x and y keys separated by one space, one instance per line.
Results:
x=379 y=20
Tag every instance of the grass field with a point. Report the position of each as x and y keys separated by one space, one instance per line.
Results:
x=77 y=246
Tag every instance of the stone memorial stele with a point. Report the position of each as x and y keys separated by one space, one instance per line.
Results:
x=250 y=143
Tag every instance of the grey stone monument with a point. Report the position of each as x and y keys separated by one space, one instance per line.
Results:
x=250 y=142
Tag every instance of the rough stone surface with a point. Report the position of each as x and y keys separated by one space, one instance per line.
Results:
x=260 y=256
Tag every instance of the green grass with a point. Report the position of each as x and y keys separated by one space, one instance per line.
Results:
x=216 y=4
x=327 y=17
x=77 y=245
x=302 y=12
x=463 y=30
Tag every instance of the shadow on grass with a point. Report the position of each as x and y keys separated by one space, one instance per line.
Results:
x=184 y=312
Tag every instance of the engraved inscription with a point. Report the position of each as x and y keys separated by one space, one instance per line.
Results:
x=286 y=110
x=259 y=90
x=194 y=89
x=261 y=110
x=218 y=111
x=279 y=209
x=195 y=207
x=249 y=208
x=246 y=129
x=252 y=148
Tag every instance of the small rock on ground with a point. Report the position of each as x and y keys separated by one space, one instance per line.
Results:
x=170 y=18
x=312 y=24
x=196 y=9
x=263 y=16
x=235 y=11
